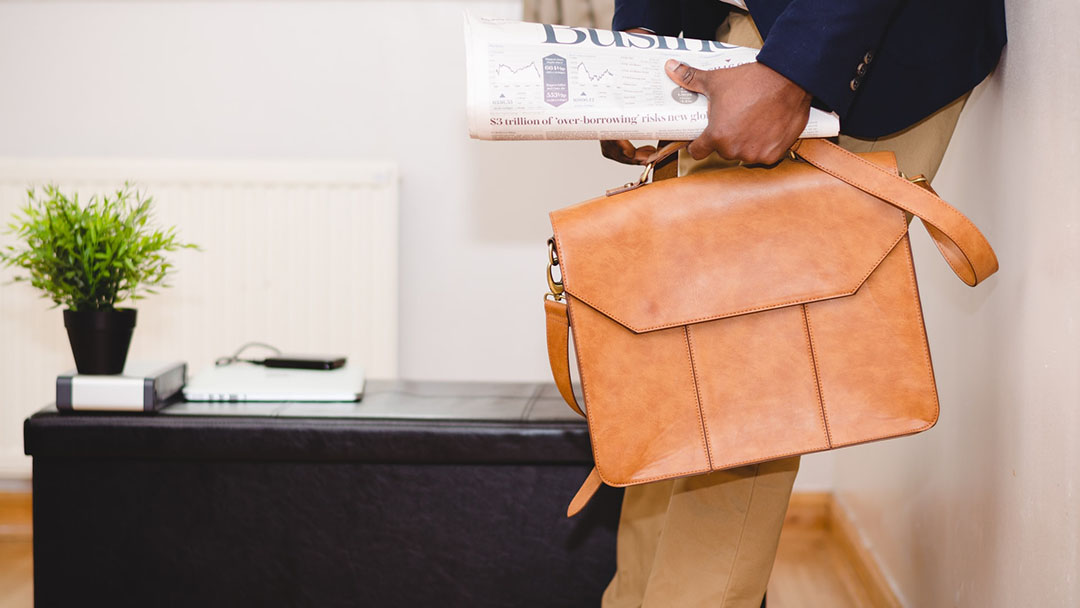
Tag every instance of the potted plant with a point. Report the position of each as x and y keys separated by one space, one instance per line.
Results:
x=90 y=258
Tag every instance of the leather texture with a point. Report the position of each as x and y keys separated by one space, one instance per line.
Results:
x=750 y=313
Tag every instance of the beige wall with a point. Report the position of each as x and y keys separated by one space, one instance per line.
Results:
x=982 y=511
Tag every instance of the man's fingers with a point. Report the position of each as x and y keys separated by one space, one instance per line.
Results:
x=685 y=76
x=623 y=151
x=616 y=150
x=712 y=140
x=642 y=154
x=700 y=147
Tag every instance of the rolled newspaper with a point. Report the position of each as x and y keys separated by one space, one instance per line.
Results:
x=541 y=81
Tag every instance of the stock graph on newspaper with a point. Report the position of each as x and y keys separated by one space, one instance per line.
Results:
x=585 y=81
x=537 y=81
x=583 y=94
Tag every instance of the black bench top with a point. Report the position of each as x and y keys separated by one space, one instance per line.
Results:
x=396 y=422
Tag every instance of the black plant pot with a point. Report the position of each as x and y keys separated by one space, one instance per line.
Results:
x=100 y=339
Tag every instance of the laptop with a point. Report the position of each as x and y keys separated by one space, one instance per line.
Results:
x=246 y=382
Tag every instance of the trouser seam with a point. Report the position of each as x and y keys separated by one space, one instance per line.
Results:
x=742 y=532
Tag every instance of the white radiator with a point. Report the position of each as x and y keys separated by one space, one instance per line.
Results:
x=302 y=255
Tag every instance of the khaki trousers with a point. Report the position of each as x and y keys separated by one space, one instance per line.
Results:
x=710 y=540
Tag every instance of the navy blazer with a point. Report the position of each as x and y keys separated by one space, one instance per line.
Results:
x=882 y=65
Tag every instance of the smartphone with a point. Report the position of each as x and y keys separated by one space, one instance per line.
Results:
x=305 y=361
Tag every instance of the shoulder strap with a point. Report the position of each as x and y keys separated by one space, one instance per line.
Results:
x=959 y=241
x=961 y=244
x=558 y=345
x=558 y=337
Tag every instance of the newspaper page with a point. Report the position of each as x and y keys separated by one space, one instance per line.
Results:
x=540 y=81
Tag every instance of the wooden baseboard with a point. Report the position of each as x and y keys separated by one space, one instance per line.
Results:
x=16 y=516
x=819 y=511
x=867 y=568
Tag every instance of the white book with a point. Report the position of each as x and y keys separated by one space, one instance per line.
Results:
x=144 y=386
x=246 y=382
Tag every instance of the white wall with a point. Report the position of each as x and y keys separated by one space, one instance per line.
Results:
x=316 y=80
x=259 y=80
x=982 y=510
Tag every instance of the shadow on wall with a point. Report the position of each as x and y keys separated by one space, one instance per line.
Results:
x=978 y=511
x=979 y=350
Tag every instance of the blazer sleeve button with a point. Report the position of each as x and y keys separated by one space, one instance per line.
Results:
x=855 y=82
x=868 y=57
x=861 y=70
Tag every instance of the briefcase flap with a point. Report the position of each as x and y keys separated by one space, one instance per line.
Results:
x=724 y=242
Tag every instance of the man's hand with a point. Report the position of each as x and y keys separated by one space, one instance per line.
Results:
x=623 y=151
x=755 y=113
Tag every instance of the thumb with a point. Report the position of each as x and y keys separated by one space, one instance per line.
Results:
x=685 y=76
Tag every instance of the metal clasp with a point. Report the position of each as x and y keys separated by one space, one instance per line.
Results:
x=918 y=179
x=555 y=288
x=641 y=181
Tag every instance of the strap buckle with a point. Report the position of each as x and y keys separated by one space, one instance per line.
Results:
x=555 y=288
x=918 y=179
x=641 y=181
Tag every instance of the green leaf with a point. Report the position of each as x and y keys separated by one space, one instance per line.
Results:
x=89 y=256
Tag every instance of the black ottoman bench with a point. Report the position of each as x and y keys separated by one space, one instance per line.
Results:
x=423 y=494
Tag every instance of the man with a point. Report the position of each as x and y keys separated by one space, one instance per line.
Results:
x=898 y=73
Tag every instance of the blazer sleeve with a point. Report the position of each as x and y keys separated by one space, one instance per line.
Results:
x=825 y=46
x=662 y=17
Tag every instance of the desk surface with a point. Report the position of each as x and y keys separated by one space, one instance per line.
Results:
x=412 y=400
x=397 y=421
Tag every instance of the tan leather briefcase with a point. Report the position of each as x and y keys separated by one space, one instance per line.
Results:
x=747 y=314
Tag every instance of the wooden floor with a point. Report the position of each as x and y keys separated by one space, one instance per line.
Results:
x=16 y=551
x=813 y=567
x=820 y=564
x=16 y=574
x=811 y=570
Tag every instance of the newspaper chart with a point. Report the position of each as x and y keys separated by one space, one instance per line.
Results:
x=540 y=81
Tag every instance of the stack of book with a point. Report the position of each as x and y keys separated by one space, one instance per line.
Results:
x=143 y=387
